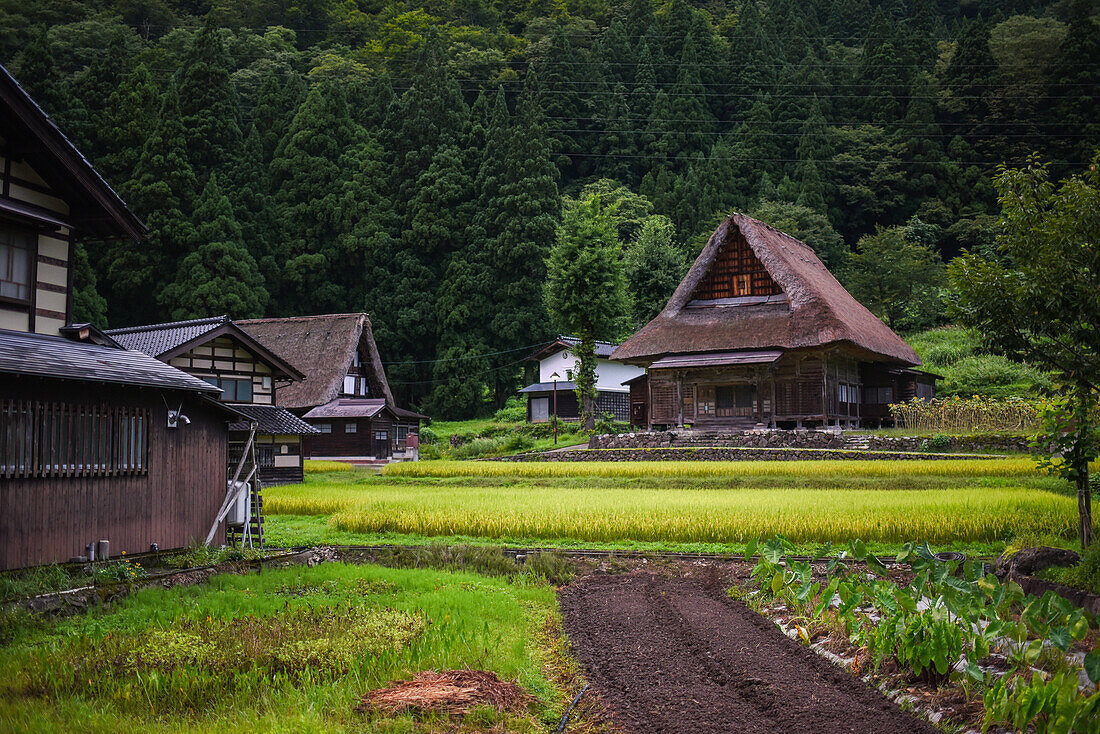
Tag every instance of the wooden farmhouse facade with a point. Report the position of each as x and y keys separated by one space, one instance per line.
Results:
x=89 y=447
x=344 y=393
x=248 y=375
x=760 y=334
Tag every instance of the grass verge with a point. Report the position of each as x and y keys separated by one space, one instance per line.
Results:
x=288 y=650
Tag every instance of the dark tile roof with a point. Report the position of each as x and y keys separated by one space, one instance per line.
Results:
x=563 y=386
x=157 y=339
x=402 y=413
x=53 y=356
x=603 y=349
x=349 y=408
x=271 y=420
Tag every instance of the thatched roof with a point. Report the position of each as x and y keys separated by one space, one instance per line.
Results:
x=814 y=311
x=322 y=347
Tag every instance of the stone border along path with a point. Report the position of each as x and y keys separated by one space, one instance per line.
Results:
x=672 y=655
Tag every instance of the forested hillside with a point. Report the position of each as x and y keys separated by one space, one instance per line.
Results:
x=410 y=160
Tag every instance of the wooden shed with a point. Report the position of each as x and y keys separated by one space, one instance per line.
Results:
x=760 y=334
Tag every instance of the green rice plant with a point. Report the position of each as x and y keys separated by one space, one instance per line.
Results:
x=695 y=516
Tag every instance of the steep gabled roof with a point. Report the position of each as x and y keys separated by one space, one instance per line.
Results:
x=95 y=208
x=322 y=347
x=814 y=310
x=168 y=340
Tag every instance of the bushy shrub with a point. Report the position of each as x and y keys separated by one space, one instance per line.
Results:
x=476 y=448
x=517 y=442
x=428 y=436
x=939 y=442
x=430 y=451
x=514 y=411
x=969 y=370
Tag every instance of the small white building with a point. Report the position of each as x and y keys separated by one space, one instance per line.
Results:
x=558 y=358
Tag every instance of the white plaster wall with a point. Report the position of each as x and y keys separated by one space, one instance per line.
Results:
x=609 y=375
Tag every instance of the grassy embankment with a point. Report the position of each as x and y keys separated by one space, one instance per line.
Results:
x=288 y=650
x=971 y=505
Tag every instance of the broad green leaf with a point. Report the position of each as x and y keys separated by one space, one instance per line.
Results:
x=1092 y=666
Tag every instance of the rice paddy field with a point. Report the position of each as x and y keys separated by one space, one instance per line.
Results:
x=685 y=505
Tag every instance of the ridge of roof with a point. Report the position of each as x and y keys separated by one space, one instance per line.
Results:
x=170 y=325
x=818 y=310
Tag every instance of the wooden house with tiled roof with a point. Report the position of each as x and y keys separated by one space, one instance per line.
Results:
x=760 y=334
x=100 y=446
x=249 y=375
x=344 y=394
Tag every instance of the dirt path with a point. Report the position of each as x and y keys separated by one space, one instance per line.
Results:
x=677 y=655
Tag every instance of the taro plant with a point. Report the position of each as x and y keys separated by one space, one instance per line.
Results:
x=1049 y=706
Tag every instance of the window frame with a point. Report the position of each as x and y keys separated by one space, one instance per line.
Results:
x=14 y=228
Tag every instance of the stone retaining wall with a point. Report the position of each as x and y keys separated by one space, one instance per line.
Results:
x=981 y=443
x=728 y=454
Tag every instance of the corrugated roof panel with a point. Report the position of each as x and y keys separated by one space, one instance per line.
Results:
x=720 y=359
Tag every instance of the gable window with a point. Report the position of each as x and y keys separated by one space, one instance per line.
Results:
x=355 y=385
x=16 y=249
x=351 y=427
x=233 y=391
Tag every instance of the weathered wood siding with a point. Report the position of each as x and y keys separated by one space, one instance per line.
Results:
x=342 y=443
x=51 y=519
x=800 y=387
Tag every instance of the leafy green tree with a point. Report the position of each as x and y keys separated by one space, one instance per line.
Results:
x=218 y=275
x=809 y=225
x=208 y=103
x=88 y=305
x=898 y=277
x=1070 y=106
x=527 y=207
x=1039 y=301
x=653 y=265
x=131 y=116
x=586 y=291
x=313 y=165
x=628 y=209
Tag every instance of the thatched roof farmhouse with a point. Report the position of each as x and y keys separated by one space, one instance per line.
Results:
x=760 y=333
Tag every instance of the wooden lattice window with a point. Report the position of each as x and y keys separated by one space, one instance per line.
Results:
x=45 y=439
x=735 y=271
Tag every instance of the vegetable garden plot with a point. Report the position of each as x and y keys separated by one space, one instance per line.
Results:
x=1030 y=661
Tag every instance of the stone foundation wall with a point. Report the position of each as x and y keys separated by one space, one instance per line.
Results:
x=729 y=454
x=980 y=443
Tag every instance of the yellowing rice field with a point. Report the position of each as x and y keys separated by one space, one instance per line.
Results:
x=983 y=501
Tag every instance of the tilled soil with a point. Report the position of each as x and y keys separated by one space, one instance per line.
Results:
x=678 y=655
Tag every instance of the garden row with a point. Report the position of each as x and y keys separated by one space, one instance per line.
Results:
x=1031 y=661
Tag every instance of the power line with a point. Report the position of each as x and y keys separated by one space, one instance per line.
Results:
x=472 y=356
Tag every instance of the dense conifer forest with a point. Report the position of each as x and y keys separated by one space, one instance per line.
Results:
x=412 y=160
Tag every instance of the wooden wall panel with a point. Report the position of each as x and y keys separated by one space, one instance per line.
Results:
x=51 y=519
